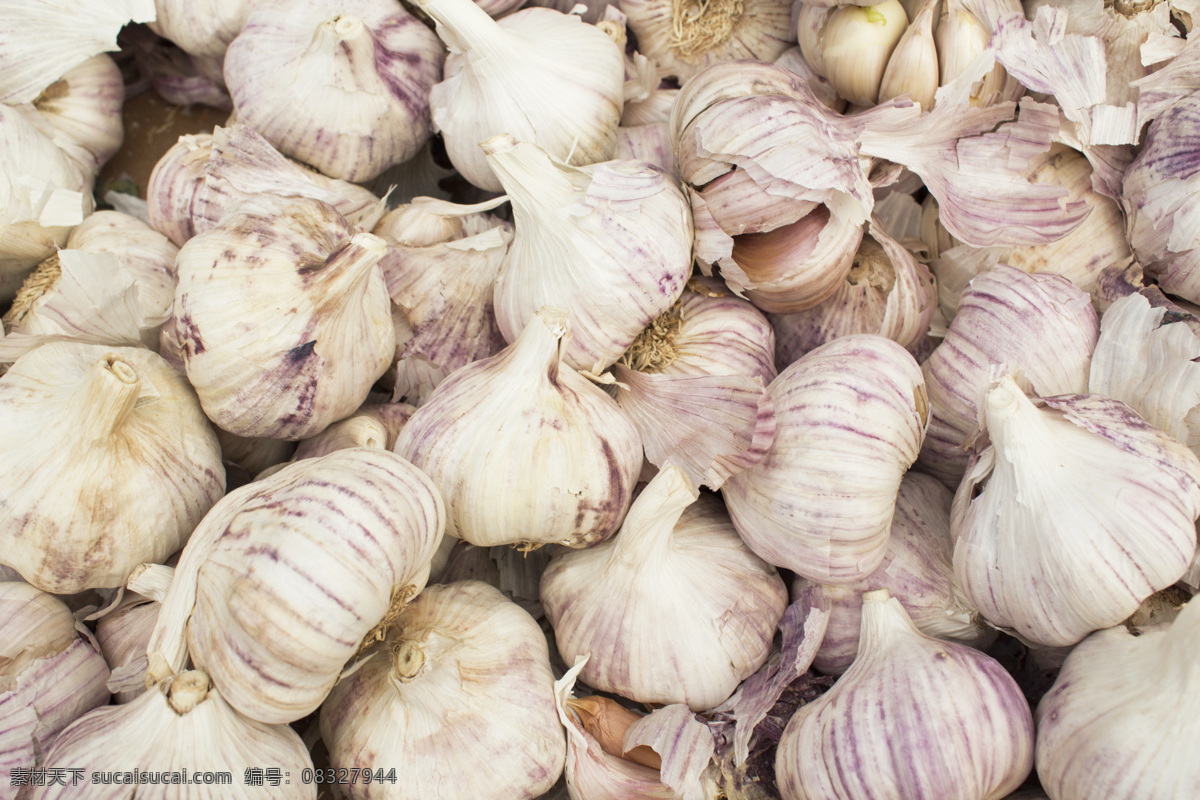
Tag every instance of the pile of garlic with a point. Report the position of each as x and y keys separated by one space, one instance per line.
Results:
x=775 y=401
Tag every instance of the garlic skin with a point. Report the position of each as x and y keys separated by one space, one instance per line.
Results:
x=363 y=68
x=850 y=45
x=1055 y=537
x=171 y=192
x=851 y=417
x=274 y=602
x=49 y=676
x=540 y=76
x=460 y=693
x=483 y=426
x=677 y=566
x=181 y=724
x=84 y=109
x=1119 y=720
x=610 y=243
x=203 y=28
x=288 y=370
x=912 y=717
x=118 y=436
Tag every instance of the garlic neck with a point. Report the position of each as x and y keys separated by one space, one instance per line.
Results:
x=348 y=268
x=539 y=348
x=654 y=348
x=187 y=690
x=107 y=394
x=884 y=622
x=533 y=182
x=349 y=43
x=466 y=27
x=407 y=660
x=1132 y=8
x=1012 y=419
x=645 y=536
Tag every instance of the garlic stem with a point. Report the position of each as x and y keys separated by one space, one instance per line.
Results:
x=475 y=32
x=530 y=177
x=347 y=38
x=407 y=660
x=109 y=391
x=881 y=620
x=1011 y=417
x=187 y=690
x=540 y=345
x=645 y=536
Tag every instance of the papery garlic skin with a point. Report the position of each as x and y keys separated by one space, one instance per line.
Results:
x=118 y=439
x=203 y=28
x=461 y=694
x=1121 y=718
x=289 y=369
x=84 y=108
x=180 y=725
x=912 y=717
x=674 y=609
x=1076 y=513
x=363 y=69
x=525 y=449
x=851 y=417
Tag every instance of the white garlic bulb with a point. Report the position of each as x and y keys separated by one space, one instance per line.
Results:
x=1076 y=513
x=524 y=448
x=461 y=694
x=171 y=191
x=362 y=69
x=275 y=601
x=287 y=369
x=610 y=243
x=181 y=725
x=111 y=463
x=912 y=717
x=83 y=107
x=673 y=609
x=1121 y=719
x=538 y=75
x=201 y=27
x=851 y=416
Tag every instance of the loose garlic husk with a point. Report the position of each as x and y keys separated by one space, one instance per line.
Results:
x=49 y=676
x=288 y=369
x=912 y=717
x=181 y=725
x=674 y=609
x=362 y=68
x=1121 y=719
x=461 y=694
x=541 y=76
x=275 y=602
x=610 y=243
x=851 y=417
x=119 y=436
x=850 y=45
x=526 y=408
x=1076 y=513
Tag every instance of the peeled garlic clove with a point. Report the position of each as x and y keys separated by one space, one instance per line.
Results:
x=610 y=243
x=363 y=68
x=538 y=75
x=276 y=602
x=912 y=717
x=289 y=369
x=526 y=407
x=181 y=725
x=84 y=108
x=463 y=681
x=850 y=419
x=916 y=570
x=912 y=68
x=119 y=437
x=49 y=676
x=674 y=609
x=171 y=192
x=855 y=43
x=1055 y=538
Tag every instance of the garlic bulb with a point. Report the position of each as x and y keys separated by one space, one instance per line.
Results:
x=674 y=609
x=83 y=107
x=118 y=437
x=370 y=426
x=274 y=602
x=1120 y=719
x=171 y=191
x=461 y=694
x=49 y=676
x=183 y=725
x=610 y=243
x=851 y=416
x=541 y=76
x=1055 y=537
x=912 y=717
x=851 y=44
x=289 y=369
x=916 y=570
x=202 y=28
x=362 y=68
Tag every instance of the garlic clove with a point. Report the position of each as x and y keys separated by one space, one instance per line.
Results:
x=855 y=43
x=912 y=68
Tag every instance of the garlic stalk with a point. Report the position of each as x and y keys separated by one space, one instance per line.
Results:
x=183 y=725
x=1126 y=692
x=541 y=76
x=272 y=604
x=362 y=68
x=83 y=108
x=462 y=680
x=851 y=45
x=912 y=717
x=526 y=408
x=1054 y=537
x=610 y=243
x=674 y=609
x=171 y=192
x=851 y=416
x=121 y=435
x=289 y=369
